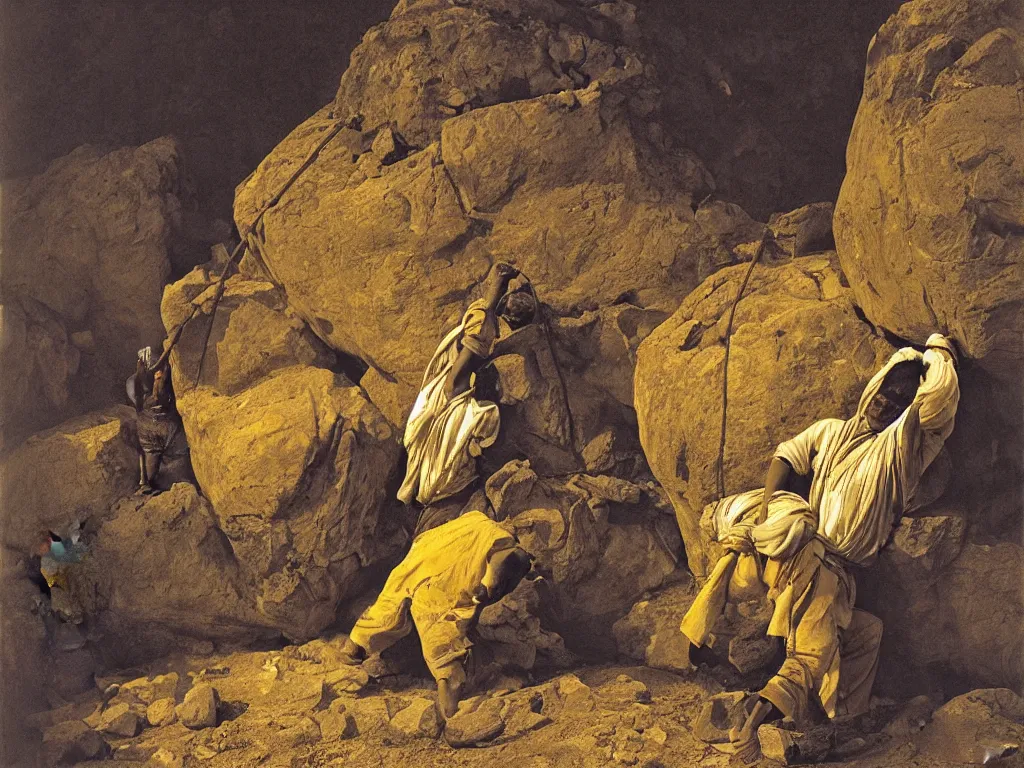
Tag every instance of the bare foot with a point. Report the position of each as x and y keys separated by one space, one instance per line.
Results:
x=744 y=741
x=448 y=698
x=352 y=654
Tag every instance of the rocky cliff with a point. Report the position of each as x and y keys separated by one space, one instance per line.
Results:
x=630 y=160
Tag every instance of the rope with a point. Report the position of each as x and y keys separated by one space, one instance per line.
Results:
x=558 y=369
x=244 y=241
x=725 y=367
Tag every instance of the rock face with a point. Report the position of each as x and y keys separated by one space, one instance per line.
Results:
x=977 y=727
x=294 y=459
x=86 y=256
x=800 y=352
x=475 y=183
x=68 y=473
x=160 y=568
x=601 y=540
x=929 y=219
x=951 y=609
x=929 y=226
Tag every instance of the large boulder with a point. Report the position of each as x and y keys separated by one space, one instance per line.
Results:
x=294 y=459
x=602 y=541
x=951 y=609
x=799 y=352
x=560 y=175
x=160 y=569
x=67 y=474
x=929 y=221
x=85 y=259
x=433 y=59
x=929 y=224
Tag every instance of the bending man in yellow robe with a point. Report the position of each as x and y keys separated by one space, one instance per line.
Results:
x=450 y=574
x=865 y=473
x=449 y=427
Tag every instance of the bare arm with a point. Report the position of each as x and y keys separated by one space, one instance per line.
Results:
x=469 y=362
x=778 y=475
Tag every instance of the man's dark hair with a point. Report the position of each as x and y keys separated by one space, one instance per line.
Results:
x=902 y=380
x=513 y=569
x=518 y=308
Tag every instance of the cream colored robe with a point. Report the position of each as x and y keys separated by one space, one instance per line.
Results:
x=434 y=586
x=442 y=436
x=862 y=481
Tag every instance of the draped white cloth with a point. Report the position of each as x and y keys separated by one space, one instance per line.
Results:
x=863 y=479
x=442 y=436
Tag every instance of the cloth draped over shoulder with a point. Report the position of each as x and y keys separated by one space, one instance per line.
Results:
x=435 y=582
x=442 y=436
x=862 y=480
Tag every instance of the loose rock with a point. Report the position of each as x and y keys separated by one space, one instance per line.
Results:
x=419 y=720
x=199 y=709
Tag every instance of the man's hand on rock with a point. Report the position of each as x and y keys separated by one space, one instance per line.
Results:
x=503 y=272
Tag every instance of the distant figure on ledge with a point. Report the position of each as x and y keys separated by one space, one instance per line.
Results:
x=449 y=426
x=160 y=432
x=452 y=572
x=865 y=473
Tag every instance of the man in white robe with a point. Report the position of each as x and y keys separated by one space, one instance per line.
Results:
x=449 y=427
x=865 y=473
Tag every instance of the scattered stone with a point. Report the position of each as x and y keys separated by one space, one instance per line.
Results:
x=297 y=732
x=346 y=679
x=750 y=654
x=371 y=714
x=199 y=709
x=914 y=716
x=626 y=690
x=119 y=720
x=929 y=543
x=72 y=742
x=164 y=758
x=148 y=691
x=418 y=720
x=656 y=734
x=335 y=723
x=161 y=712
x=795 y=747
x=804 y=231
x=718 y=715
x=468 y=728
x=388 y=146
x=977 y=727
x=575 y=695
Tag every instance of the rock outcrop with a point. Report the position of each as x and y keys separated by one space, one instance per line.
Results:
x=799 y=352
x=86 y=247
x=929 y=227
x=68 y=474
x=294 y=459
x=602 y=541
x=159 y=574
x=417 y=230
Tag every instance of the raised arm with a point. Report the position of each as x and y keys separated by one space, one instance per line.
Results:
x=472 y=357
x=933 y=413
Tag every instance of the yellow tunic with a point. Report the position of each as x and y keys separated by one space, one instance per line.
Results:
x=435 y=584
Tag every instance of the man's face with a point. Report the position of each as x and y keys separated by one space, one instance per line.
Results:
x=885 y=407
x=43 y=548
